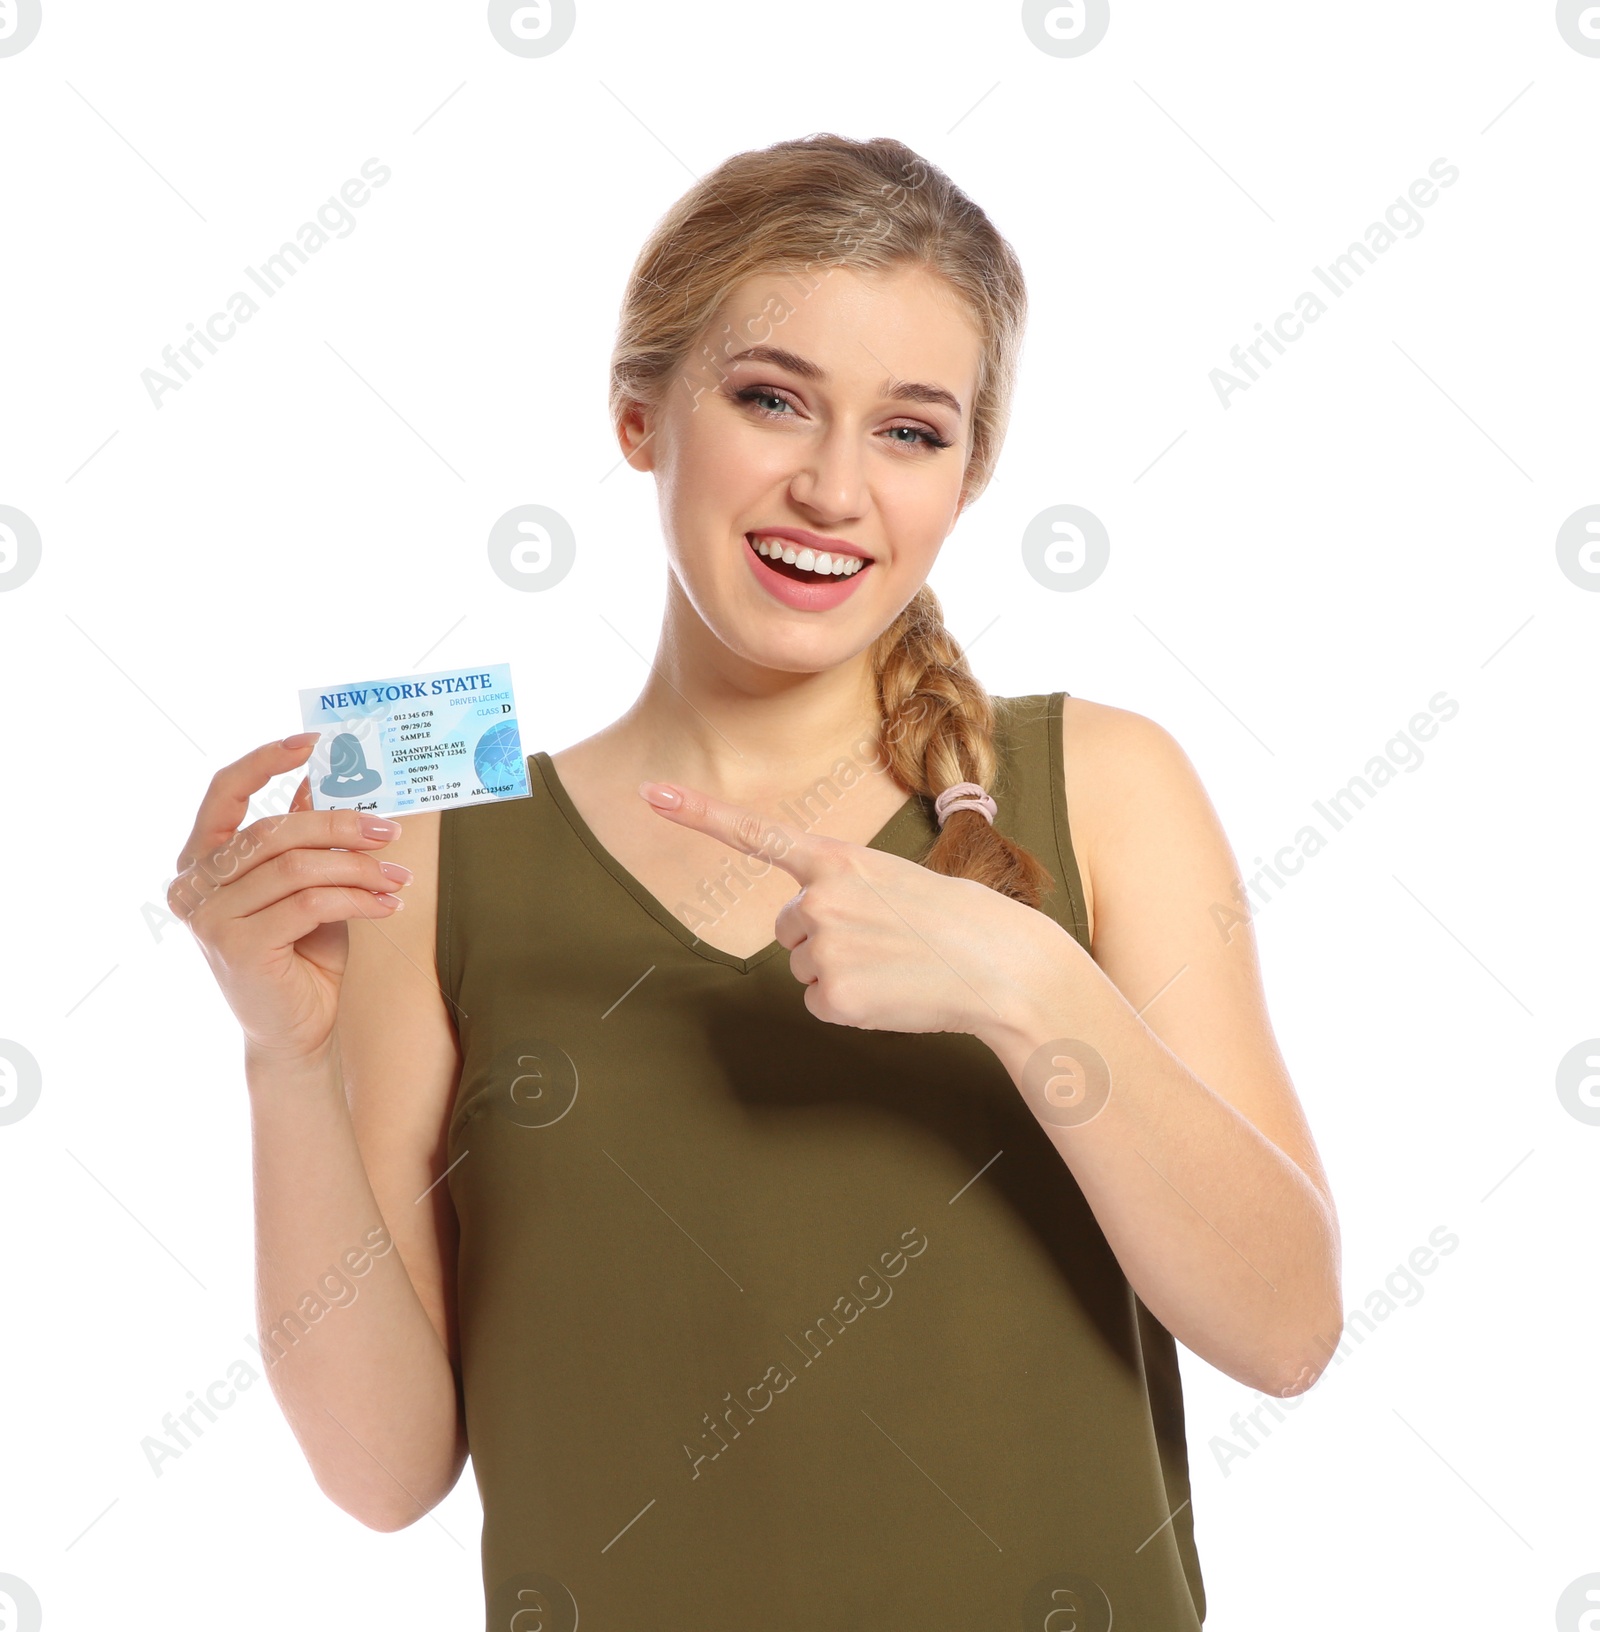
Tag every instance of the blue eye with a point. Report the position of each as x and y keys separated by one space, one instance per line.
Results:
x=757 y=394
x=929 y=439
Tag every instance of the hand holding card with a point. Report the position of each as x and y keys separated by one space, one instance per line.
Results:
x=416 y=743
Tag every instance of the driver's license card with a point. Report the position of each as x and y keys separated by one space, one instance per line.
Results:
x=418 y=742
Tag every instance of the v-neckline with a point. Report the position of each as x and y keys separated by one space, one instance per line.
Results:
x=881 y=840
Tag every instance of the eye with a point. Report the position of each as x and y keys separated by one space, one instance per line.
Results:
x=905 y=436
x=754 y=394
x=929 y=439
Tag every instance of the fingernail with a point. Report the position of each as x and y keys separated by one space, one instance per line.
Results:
x=300 y=739
x=393 y=869
x=660 y=795
x=375 y=827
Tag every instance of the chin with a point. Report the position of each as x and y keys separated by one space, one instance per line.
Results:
x=770 y=643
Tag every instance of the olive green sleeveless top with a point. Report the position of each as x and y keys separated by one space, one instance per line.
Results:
x=768 y=1322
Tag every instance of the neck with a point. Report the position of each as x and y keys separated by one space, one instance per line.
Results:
x=737 y=730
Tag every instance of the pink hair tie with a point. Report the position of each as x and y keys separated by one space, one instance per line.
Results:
x=964 y=796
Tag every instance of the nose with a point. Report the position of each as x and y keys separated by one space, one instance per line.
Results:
x=831 y=477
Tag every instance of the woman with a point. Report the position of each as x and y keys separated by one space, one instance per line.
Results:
x=838 y=1289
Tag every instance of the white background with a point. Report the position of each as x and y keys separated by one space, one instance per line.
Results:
x=1291 y=579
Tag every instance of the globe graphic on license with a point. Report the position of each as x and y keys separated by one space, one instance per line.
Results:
x=498 y=759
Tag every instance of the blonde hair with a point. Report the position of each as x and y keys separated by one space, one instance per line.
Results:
x=827 y=201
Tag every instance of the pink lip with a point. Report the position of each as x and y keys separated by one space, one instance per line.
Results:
x=821 y=596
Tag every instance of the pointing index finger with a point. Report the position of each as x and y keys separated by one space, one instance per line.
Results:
x=795 y=852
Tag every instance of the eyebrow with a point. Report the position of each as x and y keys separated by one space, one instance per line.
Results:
x=904 y=390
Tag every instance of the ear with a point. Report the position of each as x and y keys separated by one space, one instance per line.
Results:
x=636 y=436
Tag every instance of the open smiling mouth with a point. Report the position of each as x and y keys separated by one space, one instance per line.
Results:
x=805 y=566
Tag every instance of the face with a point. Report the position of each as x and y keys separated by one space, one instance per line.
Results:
x=809 y=458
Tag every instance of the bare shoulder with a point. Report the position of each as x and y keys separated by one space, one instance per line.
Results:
x=1137 y=807
x=1115 y=742
x=1116 y=762
x=398 y=1046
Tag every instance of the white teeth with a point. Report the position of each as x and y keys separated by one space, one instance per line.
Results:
x=808 y=560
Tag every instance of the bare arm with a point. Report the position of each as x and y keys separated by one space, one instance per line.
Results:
x=350 y=1061
x=1198 y=1162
